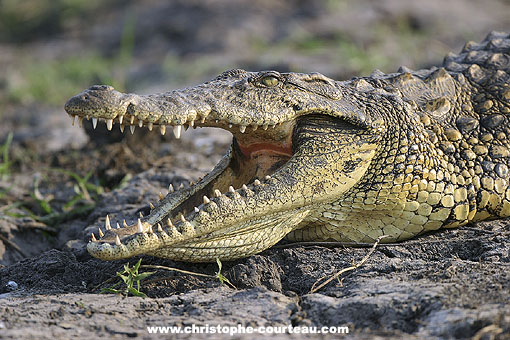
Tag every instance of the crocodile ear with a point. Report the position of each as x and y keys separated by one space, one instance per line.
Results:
x=316 y=83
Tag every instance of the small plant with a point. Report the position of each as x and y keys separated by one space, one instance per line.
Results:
x=4 y=150
x=220 y=276
x=131 y=277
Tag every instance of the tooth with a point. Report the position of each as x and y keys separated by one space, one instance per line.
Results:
x=74 y=119
x=230 y=126
x=245 y=187
x=169 y=222
x=118 y=225
x=206 y=200
x=140 y=123
x=139 y=225
x=160 y=230
x=267 y=177
x=121 y=127
x=132 y=128
x=151 y=205
x=117 y=240
x=242 y=128
x=94 y=122
x=88 y=117
x=150 y=229
x=177 y=131
x=149 y=126
x=109 y=124
x=132 y=120
x=183 y=219
x=231 y=189
x=141 y=215
x=265 y=126
x=107 y=224
x=124 y=224
x=217 y=120
x=121 y=118
x=171 y=188
x=93 y=237
x=80 y=121
x=202 y=120
x=256 y=182
x=161 y=196
x=181 y=186
x=162 y=129
x=255 y=127
x=100 y=232
x=196 y=209
x=217 y=193
x=192 y=123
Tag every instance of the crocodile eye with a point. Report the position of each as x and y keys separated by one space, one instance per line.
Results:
x=269 y=81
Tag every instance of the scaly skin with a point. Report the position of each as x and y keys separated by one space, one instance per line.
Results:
x=315 y=159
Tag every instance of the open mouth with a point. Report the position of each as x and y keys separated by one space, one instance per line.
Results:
x=283 y=161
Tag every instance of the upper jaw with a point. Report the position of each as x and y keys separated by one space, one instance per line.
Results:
x=177 y=109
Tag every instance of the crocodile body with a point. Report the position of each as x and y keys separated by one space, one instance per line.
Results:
x=316 y=159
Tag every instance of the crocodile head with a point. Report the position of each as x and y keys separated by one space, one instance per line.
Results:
x=299 y=141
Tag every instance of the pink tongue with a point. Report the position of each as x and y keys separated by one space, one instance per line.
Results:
x=280 y=149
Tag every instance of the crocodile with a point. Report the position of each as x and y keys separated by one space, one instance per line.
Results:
x=314 y=159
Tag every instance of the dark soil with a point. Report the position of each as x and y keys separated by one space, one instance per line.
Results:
x=449 y=284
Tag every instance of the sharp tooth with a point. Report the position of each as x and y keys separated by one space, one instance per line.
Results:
x=109 y=124
x=150 y=230
x=88 y=117
x=132 y=128
x=160 y=229
x=107 y=224
x=231 y=189
x=124 y=224
x=217 y=193
x=161 y=196
x=177 y=131
x=217 y=121
x=117 y=240
x=151 y=205
x=192 y=123
x=242 y=128
x=265 y=126
x=74 y=119
x=206 y=200
x=196 y=209
x=118 y=225
x=121 y=127
x=80 y=121
x=94 y=122
x=171 y=188
x=100 y=232
x=162 y=129
x=149 y=126
x=93 y=237
x=255 y=127
x=121 y=118
x=244 y=187
x=139 y=225
x=230 y=126
x=267 y=177
x=169 y=222
x=140 y=123
x=140 y=214
x=183 y=219
x=132 y=120
x=202 y=120
x=256 y=182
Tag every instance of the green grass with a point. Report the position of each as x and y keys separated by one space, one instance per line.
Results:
x=4 y=151
x=131 y=278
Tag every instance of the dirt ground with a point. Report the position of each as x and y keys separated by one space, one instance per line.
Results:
x=62 y=180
